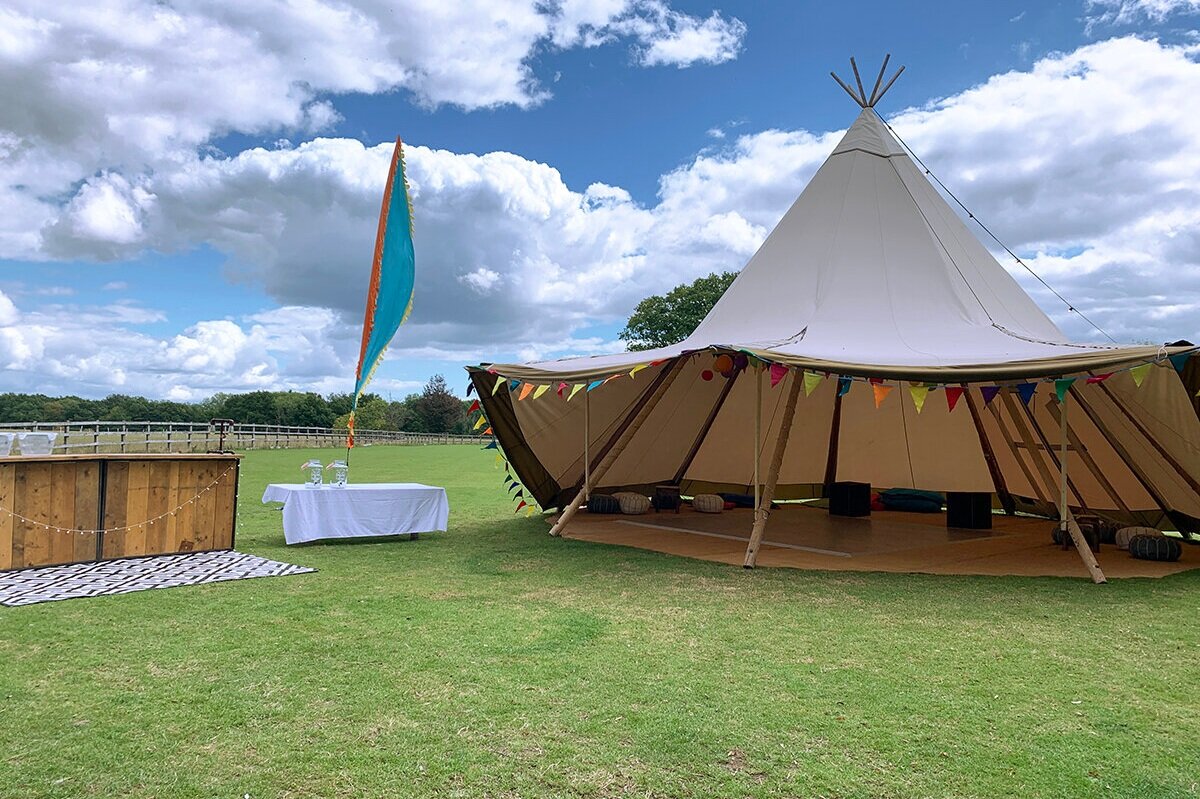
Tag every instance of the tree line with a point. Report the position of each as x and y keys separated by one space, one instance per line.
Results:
x=434 y=410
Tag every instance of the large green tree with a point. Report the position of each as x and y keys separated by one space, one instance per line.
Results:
x=669 y=318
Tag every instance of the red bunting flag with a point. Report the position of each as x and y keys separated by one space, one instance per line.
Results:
x=1100 y=378
x=561 y=386
x=778 y=372
x=518 y=510
x=474 y=407
x=953 y=393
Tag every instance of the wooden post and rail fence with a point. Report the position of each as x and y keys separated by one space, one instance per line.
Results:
x=83 y=438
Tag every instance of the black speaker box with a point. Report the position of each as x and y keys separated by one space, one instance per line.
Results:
x=969 y=510
x=850 y=499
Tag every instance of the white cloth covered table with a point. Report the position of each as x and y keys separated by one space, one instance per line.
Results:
x=366 y=509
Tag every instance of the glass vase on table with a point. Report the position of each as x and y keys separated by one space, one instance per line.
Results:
x=341 y=471
x=315 y=471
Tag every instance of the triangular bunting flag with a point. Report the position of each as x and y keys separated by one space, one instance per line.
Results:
x=540 y=391
x=919 y=391
x=811 y=381
x=844 y=384
x=637 y=369
x=1180 y=360
x=881 y=392
x=518 y=510
x=1026 y=391
x=530 y=511
x=1139 y=373
x=519 y=494
x=499 y=382
x=1100 y=378
x=474 y=407
x=525 y=389
x=777 y=373
x=492 y=445
x=479 y=422
x=989 y=393
x=487 y=432
x=499 y=460
x=513 y=485
x=595 y=383
x=559 y=390
x=1062 y=386
x=953 y=393
x=574 y=390
x=470 y=388
x=513 y=383
x=611 y=377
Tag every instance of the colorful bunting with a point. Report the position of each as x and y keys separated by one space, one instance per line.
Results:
x=541 y=390
x=1026 y=390
x=574 y=390
x=479 y=422
x=474 y=407
x=1100 y=378
x=953 y=394
x=513 y=384
x=594 y=383
x=1062 y=386
x=777 y=373
x=844 y=384
x=919 y=391
x=487 y=432
x=637 y=369
x=1179 y=360
x=492 y=445
x=499 y=382
x=525 y=389
x=500 y=460
x=518 y=510
x=1139 y=373
x=811 y=381
x=881 y=392
x=559 y=390
x=989 y=393
x=470 y=388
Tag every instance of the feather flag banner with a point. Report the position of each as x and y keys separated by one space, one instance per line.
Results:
x=393 y=277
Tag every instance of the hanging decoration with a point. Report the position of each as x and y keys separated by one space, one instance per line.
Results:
x=953 y=394
x=778 y=372
x=1062 y=386
x=989 y=393
x=881 y=392
x=1138 y=373
x=919 y=392
x=844 y=384
x=1026 y=390
x=811 y=381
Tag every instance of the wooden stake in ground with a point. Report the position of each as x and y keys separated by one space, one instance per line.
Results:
x=625 y=435
x=763 y=509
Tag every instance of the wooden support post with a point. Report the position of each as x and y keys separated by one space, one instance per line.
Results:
x=1085 y=552
x=757 y=434
x=587 y=438
x=1063 y=511
x=668 y=377
x=989 y=456
x=763 y=509
x=835 y=428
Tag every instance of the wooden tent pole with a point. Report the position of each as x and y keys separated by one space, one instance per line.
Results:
x=989 y=456
x=835 y=428
x=668 y=377
x=587 y=438
x=757 y=434
x=708 y=423
x=1062 y=469
x=763 y=508
x=1085 y=551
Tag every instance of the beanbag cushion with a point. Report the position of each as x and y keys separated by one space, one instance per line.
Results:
x=708 y=503
x=603 y=503
x=911 y=499
x=632 y=504
x=739 y=500
x=1155 y=547
x=1126 y=534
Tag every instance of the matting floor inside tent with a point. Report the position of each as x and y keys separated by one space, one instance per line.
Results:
x=888 y=541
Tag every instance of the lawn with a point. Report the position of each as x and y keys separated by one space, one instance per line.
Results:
x=496 y=661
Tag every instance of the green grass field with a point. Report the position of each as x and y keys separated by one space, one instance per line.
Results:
x=494 y=661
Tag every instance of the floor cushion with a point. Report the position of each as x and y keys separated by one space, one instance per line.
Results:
x=1125 y=534
x=708 y=503
x=632 y=504
x=1155 y=547
x=911 y=499
x=603 y=503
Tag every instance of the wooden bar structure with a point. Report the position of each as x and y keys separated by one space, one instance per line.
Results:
x=60 y=509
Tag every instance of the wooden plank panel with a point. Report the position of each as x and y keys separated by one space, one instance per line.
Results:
x=137 y=500
x=8 y=474
x=115 y=499
x=87 y=510
x=205 y=505
x=60 y=545
x=185 y=519
x=223 y=516
x=171 y=523
x=33 y=502
x=159 y=473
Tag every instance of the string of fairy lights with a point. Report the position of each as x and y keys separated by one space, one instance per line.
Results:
x=41 y=525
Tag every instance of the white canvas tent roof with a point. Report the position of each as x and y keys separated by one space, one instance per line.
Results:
x=869 y=274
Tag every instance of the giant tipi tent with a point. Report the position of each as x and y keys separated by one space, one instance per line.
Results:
x=872 y=338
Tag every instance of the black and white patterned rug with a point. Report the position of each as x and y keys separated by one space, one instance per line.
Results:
x=54 y=583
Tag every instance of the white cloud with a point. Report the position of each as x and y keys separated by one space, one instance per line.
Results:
x=663 y=36
x=1125 y=12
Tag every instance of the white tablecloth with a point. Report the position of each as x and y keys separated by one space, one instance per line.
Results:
x=359 y=509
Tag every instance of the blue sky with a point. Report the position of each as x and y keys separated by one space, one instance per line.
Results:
x=188 y=193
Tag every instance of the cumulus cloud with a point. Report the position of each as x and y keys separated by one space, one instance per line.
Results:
x=107 y=94
x=1125 y=12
